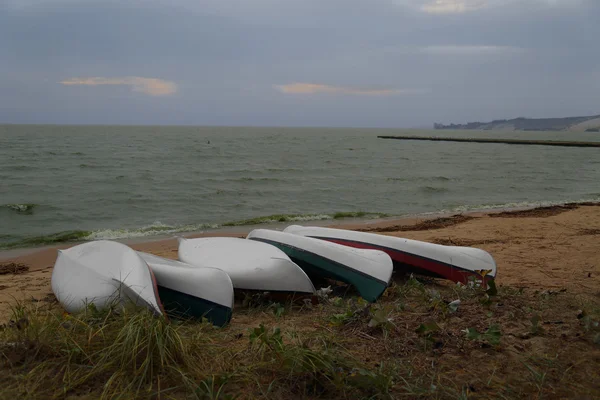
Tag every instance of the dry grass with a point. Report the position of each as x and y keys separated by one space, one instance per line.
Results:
x=539 y=212
x=417 y=341
x=428 y=224
x=13 y=268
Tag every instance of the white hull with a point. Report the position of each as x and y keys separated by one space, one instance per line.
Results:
x=103 y=273
x=450 y=262
x=369 y=271
x=250 y=265
x=192 y=292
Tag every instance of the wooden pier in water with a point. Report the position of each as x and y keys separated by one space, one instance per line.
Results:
x=503 y=141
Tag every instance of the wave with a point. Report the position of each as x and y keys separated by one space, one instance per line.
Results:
x=248 y=179
x=398 y=179
x=303 y=217
x=516 y=205
x=159 y=229
x=55 y=238
x=242 y=179
x=155 y=229
x=21 y=168
x=26 y=208
x=440 y=178
x=433 y=189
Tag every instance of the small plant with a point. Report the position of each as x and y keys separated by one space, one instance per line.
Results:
x=485 y=300
x=492 y=335
x=536 y=328
x=341 y=319
x=473 y=283
x=337 y=301
x=434 y=298
x=212 y=388
x=539 y=377
x=428 y=331
x=381 y=319
x=355 y=311
x=370 y=381
x=261 y=338
x=412 y=285
x=278 y=309
x=480 y=284
x=588 y=323
x=476 y=287
x=255 y=300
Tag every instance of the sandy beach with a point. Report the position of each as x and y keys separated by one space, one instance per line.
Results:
x=544 y=248
x=537 y=337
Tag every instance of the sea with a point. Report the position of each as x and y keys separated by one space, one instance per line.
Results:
x=71 y=183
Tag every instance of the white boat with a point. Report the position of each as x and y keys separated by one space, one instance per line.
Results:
x=369 y=271
x=192 y=292
x=455 y=263
x=250 y=265
x=103 y=273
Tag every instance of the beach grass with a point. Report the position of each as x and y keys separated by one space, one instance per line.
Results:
x=422 y=339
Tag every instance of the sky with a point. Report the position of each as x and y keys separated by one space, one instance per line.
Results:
x=347 y=63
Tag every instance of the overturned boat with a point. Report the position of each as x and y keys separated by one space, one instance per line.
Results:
x=369 y=271
x=103 y=273
x=455 y=263
x=192 y=292
x=250 y=265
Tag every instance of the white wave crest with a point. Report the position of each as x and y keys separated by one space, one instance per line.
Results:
x=298 y=218
x=155 y=229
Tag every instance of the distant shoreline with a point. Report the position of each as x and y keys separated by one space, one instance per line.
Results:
x=573 y=124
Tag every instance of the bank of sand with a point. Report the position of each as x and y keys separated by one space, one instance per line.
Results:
x=545 y=248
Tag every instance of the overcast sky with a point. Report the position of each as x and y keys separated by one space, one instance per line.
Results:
x=380 y=63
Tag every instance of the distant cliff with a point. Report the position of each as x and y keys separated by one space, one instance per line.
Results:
x=575 y=124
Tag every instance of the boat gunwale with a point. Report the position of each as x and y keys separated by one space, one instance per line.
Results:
x=364 y=274
x=452 y=267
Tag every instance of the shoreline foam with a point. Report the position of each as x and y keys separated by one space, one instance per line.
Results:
x=159 y=230
x=242 y=229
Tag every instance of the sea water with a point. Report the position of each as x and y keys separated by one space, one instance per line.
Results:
x=60 y=183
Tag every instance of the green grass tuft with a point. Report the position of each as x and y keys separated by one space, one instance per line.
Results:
x=410 y=344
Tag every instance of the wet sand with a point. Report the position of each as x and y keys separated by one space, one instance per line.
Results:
x=544 y=248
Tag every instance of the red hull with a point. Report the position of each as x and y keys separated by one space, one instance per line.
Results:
x=408 y=262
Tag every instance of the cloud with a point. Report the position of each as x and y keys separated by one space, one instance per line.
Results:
x=314 y=88
x=471 y=50
x=452 y=6
x=149 y=86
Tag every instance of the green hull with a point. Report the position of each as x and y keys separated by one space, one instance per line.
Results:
x=369 y=287
x=184 y=306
